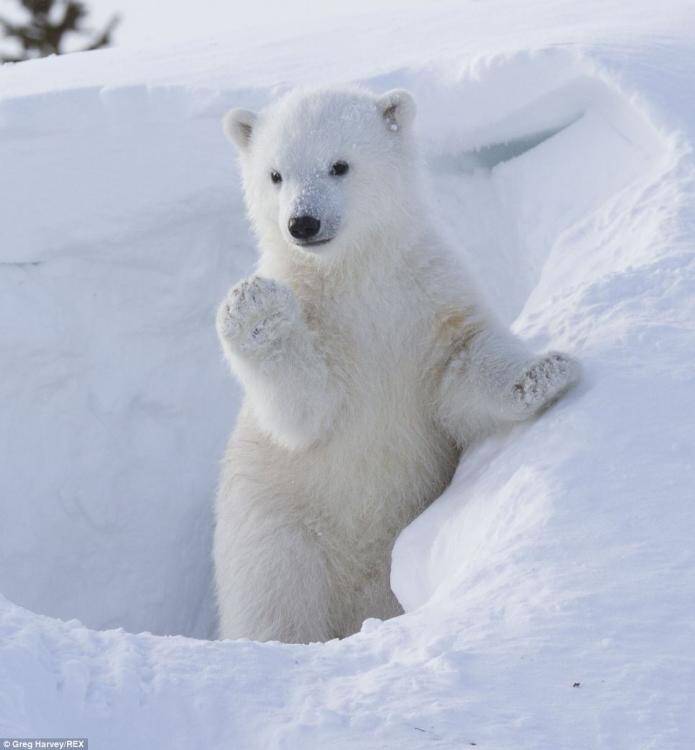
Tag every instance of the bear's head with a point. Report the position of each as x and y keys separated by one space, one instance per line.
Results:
x=327 y=171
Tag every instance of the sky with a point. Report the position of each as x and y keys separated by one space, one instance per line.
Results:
x=147 y=22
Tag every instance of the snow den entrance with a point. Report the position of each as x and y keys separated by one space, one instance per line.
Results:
x=118 y=403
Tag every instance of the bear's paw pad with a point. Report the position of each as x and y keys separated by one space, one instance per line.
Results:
x=257 y=314
x=546 y=379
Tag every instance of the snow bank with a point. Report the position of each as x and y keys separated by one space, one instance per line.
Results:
x=562 y=551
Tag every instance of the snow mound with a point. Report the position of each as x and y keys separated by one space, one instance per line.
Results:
x=560 y=554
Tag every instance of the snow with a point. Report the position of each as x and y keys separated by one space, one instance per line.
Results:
x=558 y=138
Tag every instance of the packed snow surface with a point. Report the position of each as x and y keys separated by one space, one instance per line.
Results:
x=550 y=592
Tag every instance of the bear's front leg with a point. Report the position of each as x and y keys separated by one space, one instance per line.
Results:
x=274 y=354
x=494 y=379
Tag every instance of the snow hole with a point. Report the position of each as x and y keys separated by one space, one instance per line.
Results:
x=129 y=227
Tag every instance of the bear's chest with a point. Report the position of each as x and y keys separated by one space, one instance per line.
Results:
x=381 y=345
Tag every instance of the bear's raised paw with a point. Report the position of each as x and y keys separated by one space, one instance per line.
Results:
x=257 y=315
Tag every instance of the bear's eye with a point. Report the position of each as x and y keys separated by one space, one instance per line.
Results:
x=275 y=177
x=340 y=168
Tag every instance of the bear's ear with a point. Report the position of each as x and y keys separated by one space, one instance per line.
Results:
x=397 y=108
x=238 y=127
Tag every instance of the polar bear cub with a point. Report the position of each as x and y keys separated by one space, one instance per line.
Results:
x=368 y=360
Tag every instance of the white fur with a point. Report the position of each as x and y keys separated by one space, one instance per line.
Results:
x=368 y=362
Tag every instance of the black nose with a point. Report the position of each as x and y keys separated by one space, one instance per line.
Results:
x=304 y=227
